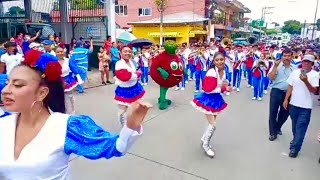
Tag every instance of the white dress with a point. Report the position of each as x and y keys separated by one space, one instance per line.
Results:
x=46 y=157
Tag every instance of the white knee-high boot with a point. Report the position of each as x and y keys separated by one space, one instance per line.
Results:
x=206 y=140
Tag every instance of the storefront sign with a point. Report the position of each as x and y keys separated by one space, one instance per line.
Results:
x=165 y=34
x=93 y=31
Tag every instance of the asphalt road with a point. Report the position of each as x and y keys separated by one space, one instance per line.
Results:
x=170 y=146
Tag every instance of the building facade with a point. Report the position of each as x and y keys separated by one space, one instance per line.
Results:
x=143 y=10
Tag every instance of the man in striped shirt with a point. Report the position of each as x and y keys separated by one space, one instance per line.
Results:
x=80 y=55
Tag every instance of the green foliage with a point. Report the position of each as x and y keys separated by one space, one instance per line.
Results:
x=170 y=46
x=292 y=27
x=85 y=4
x=271 y=31
x=318 y=23
x=15 y=11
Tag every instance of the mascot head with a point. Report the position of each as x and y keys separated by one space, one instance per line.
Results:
x=169 y=61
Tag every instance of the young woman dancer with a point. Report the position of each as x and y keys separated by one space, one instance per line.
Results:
x=128 y=88
x=210 y=102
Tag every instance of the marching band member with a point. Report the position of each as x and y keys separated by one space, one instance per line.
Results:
x=228 y=65
x=201 y=68
x=192 y=63
x=237 y=64
x=184 y=56
x=128 y=88
x=250 y=59
x=266 y=79
x=144 y=66
x=258 y=72
x=211 y=102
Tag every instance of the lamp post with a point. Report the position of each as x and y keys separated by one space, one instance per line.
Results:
x=315 y=18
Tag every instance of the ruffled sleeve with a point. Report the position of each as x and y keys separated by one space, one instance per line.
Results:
x=74 y=67
x=85 y=138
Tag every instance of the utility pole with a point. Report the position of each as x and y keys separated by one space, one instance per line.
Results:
x=161 y=5
x=315 y=19
x=263 y=14
x=304 y=31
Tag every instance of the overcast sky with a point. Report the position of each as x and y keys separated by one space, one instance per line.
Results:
x=300 y=10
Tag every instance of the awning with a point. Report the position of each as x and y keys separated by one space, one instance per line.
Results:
x=192 y=33
x=165 y=34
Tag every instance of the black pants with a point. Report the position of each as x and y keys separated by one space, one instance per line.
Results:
x=277 y=114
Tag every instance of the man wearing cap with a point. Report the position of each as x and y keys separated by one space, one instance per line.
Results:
x=303 y=84
x=48 y=47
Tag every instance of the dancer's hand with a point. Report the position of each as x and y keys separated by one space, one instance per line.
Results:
x=228 y=88
x=225 y=83
x=138 y=112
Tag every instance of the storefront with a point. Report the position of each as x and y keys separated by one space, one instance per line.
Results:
x=181 y=33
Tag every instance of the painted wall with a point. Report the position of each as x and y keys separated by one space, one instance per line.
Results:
x=196 y=6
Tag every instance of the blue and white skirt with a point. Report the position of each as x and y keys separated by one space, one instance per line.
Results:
x=127 y=95
x=69 y=82
x=209 y=103
x=3 y=80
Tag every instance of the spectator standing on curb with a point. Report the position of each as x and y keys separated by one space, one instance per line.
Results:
x=303 y=84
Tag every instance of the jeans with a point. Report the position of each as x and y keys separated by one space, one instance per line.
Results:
x=243 y=69
x=249 y=75
x=229 y=77
x=83 y=77
x=300 y=121
x=183 y=82
x=192 y=69
x=266 y=82
x=277 y=114
x=145 y=74
x=236 y=77
x=257 y=86
x=199 y=77
x=113 y=67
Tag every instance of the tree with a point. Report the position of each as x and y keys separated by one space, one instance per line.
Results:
x=271 y=31
x=15 y=11
x=318 y=23
x=276 y=24
x=292 y=27
x=161 y=6
x=85 y=4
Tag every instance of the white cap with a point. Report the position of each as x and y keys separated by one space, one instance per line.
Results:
x=309 y=57
x=32 y=45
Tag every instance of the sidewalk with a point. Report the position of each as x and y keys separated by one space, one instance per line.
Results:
x=93 y=79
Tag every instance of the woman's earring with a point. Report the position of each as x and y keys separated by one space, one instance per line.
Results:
x=32 y=105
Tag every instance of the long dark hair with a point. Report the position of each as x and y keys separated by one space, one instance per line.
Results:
x=214 y=56
x=55 y=99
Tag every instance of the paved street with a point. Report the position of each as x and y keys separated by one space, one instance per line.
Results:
x=170 y=146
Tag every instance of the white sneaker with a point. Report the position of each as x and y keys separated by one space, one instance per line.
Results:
x=249 y=86
x=210 y=153
x=259 y=99
x=238 y=89
x=196 y=91
x=265 y=92
x=254 y=98
x=182 y=89
x=228 y=93
x=145 y=84
x=177 y=88
x=186 y=82
x=233 y=88
x=252 y=87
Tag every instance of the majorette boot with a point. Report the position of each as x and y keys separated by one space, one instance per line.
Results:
x=204 y=134
x=206 y=142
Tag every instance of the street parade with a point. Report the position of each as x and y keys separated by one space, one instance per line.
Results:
x=235 y=97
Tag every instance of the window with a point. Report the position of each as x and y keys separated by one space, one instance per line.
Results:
x=144 y=12
x=121 y=10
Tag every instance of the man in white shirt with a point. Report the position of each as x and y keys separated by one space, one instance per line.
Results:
x=303 y=84
x=48 y=47
x=11 y=58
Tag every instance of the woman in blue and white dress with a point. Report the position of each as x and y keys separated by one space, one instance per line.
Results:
x=128 y=88
x=210 y=101
x=68 y=78
x=36 y=144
